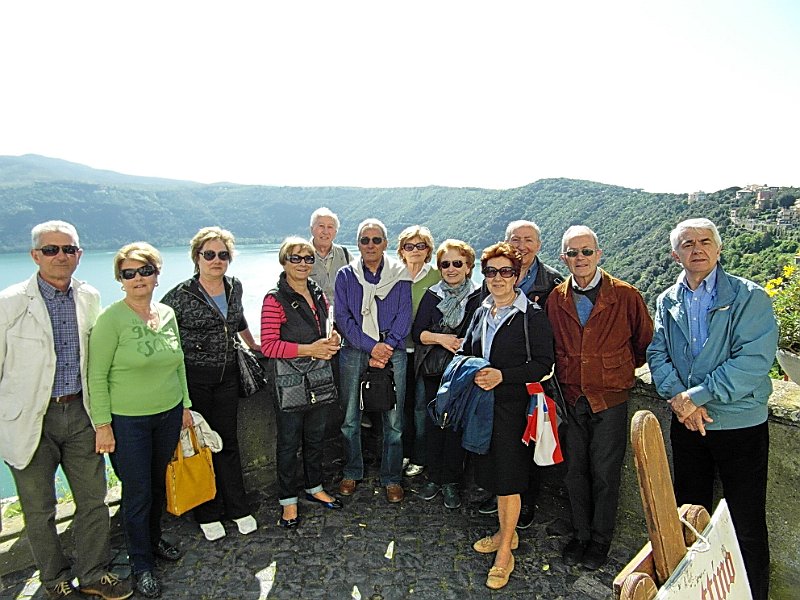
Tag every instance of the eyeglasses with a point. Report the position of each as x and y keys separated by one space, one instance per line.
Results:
x=445 y=264
x=584 y=251
x=419 y=246
x=505 y=272
x=296 y=259
x=377 y=240
x=210 y=255
x=145 y=271
x=52 y=249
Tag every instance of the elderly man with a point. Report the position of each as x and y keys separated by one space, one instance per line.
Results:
x=714 y=344
x=330 y=257
x=44 y=414
x=602 y=329
x=536 y=280
x=373 y=314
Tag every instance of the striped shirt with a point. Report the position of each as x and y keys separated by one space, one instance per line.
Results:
x=64 y=318
x=272 y=317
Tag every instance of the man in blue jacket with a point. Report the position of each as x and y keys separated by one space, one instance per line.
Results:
x=714 y=343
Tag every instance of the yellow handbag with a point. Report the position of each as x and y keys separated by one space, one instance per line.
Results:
x=190 y=480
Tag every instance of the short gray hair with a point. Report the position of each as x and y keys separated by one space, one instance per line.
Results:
x=53 y=227
x=514 y=225
x=324 y=211
x=675 y=234
x=575 y=230
x=374 y=224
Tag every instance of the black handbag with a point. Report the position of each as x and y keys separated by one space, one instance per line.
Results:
x=378 y=393
x=303 y=383
x=430 y=360
x=251 y=374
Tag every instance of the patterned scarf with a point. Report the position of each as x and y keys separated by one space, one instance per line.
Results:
x=452 y=303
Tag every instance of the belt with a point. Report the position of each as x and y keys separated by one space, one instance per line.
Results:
x=66 y=398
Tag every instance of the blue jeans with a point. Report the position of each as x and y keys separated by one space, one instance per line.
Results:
x=144 y=447
x=352 y=364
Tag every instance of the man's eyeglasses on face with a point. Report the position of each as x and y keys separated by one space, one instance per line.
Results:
x=445 y=264
x=296 y=259
x=584 y=251
x=145 y=271
x=210 y=255
x=52 y=249
x=505 y=272
x=377 y=240
x=419 y=246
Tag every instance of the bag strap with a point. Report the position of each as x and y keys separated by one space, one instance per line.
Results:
x=527 y=336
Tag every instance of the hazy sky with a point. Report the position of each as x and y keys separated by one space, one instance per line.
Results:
x=669 y=96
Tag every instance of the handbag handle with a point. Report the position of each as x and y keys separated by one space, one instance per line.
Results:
x=179 y=449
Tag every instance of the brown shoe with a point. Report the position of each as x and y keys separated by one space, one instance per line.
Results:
x=61 y=590
x=498 y=576
x=487 y=545
x=347 y=487
x=108 y=587
x=394 y=493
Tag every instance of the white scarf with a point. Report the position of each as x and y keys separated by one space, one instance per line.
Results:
x=393 y=271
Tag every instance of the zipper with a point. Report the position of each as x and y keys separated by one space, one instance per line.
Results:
x=218 y=312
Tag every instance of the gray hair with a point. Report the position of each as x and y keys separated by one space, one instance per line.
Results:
x=324 y=211
x=514 y=225
x=53 y=227
x=374 y=224
x=675 y=234
x=576 y=230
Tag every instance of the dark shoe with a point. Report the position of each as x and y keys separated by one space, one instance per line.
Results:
x=451 y=498
x=595 y=556
x=334 y=504
x=573 y=551
x=488 y=506
x=61 y=590
x=429 y=490
x=347 y=487
x=147 y=585
x=167 y=551
x=108 y=587
x=525 y=517
x=394 y=493
x=289 y=523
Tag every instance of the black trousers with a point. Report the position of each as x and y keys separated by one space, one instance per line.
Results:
x=444 y=451
x=740 y=456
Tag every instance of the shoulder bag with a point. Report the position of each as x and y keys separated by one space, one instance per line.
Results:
x=432 y=359
x=251 y=374
x=190 y=480
x=378 y=392
x=303 y=383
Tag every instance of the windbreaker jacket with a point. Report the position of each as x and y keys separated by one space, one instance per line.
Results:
x=598 y=360
x=730 y=376
x=28 y=363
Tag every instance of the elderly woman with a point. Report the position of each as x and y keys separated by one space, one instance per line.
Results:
x=497 y=333
x=294 y=323
x=442 y=318
x=137 y=382
x=415 y=249
x=209 y=310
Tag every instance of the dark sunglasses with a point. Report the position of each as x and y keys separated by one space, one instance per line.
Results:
x=210 y=255
x=52 y=249
x=584 y=251
x=445 y=264
x=419 y=246
x=505 y=272
x=377 y=240
x=145 y=271
x=296 y=259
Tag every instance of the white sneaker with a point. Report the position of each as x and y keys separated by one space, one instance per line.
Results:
x=246 y=524
x=213 y=531
x=405 y=463
x=413 y=470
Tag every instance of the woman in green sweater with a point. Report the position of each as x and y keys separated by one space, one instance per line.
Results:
x=139 y=401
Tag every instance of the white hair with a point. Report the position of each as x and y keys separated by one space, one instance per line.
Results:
x=514 y=225
x=374 y=224
x=675 y=234
x=53 y=227
x=324 y=211
x=576 y=230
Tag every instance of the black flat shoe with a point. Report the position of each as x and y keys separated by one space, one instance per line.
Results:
x=147 y=585
x=289 y=523
x=167 y=551
x=334 y=504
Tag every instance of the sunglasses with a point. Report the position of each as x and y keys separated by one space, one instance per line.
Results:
x=377 y=240
x=505 y=272
x=52 y=249
x=419 y=246
x=211 y=255
x=584 y=251
x=445 y=264
x=145 y=271
x=296 y=259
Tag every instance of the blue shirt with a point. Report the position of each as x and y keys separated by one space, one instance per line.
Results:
x=526 y=285
x=64 y=319
x=697 y=304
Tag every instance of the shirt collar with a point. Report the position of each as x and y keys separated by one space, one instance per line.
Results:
x=520 y=302
x=709 y=284
x=50 y=291
x=592 y=284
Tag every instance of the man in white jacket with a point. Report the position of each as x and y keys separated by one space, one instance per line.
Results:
x=44 y=414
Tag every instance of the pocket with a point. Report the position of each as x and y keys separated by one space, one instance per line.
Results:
x=618 y=370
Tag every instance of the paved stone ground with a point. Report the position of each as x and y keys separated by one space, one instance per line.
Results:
x=343 y=554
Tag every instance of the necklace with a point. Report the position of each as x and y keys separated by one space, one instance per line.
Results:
x=149 y=316
x=214 y=288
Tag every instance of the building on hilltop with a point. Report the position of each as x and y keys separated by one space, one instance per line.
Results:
x=698 y=196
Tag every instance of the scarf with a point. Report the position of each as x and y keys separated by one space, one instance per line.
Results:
x=452 y=302
x=393 y=271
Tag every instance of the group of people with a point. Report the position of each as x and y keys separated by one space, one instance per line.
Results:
x=67 y=396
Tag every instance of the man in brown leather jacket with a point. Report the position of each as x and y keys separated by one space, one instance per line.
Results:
x=602 y=329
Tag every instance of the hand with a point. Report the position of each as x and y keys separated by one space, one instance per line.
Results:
x=377 y=364
x=382 y=352
x=335 y=338
x=449 y=342
x=187 y=419
x=323 y=348
x=104 y=440
x=682 y=405
x=488 y=378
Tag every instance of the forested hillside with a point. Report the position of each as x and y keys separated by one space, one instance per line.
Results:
x=633 y=225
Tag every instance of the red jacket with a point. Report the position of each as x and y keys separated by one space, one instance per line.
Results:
x=598 y=360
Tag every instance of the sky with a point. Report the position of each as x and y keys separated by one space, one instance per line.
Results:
x=674 y=96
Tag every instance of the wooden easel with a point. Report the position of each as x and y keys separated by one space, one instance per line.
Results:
x=669 y=538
